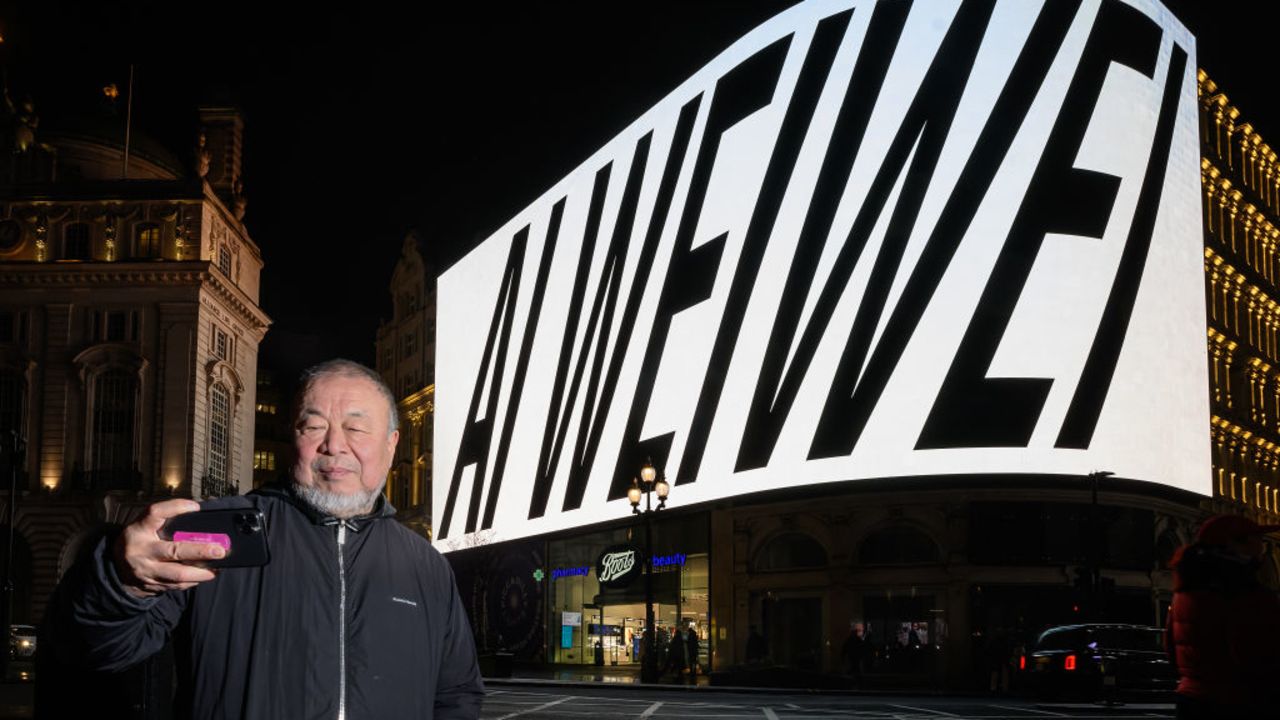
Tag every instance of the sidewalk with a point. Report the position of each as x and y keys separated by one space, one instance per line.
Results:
x=593 y=674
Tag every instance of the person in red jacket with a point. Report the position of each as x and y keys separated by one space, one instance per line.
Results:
x=1223 y=631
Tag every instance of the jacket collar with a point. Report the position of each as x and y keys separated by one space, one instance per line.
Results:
x=284 y=490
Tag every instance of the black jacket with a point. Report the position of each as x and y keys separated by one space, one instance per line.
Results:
x=273 y=642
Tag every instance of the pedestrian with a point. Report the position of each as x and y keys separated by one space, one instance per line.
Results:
x=852 y=652
x=354 y=617
x=691 y=653
x=1223 y=630
x=675 y=654
x=998 y=652
x=757 y=646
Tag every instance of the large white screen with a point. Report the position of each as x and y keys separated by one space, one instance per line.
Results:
x=869 y=240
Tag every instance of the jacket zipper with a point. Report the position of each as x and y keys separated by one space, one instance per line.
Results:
x=342 y=624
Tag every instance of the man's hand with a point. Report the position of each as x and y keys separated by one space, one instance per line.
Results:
x=149 y=566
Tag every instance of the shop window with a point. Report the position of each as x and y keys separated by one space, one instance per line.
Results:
x=75 y=239
x=897 y=545
x=790 y=551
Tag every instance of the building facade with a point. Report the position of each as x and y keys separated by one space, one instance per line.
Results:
x=129 y=332
x=406 y=360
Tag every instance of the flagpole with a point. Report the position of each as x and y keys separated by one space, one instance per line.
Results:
x=128 y=124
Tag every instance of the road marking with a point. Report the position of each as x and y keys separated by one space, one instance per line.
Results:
x=769 y=713
x=926 y=710
x=543 y=706
x=650 y=710
x=1030 y=710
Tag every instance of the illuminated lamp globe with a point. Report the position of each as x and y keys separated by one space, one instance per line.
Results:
x=663 y=489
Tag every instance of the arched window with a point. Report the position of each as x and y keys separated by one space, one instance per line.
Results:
x=790 y=551
x=147 y=243
x=75 y=242
x=897 y=545
x=114 y=398
x=12 y=402
x=219 y=436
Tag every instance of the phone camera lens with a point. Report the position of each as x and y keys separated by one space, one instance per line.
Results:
x=248 y=524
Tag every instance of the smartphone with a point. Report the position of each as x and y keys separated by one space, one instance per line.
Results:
x=242 y=532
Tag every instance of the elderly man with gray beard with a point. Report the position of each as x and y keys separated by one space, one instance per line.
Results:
x=354 y=617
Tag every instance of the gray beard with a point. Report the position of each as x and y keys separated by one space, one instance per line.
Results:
x=339 y=505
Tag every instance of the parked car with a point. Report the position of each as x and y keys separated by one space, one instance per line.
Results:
x=1099 y=661
x=22 y=641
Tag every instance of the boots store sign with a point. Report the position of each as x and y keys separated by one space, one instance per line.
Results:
x=869 y=240
x=618 y=565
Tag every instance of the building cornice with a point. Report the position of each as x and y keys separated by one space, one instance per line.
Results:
x=162 y=273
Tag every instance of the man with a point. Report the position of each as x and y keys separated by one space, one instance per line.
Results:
x=354 y=617
x=1223 y=631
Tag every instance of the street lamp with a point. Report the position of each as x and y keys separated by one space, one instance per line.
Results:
x=648 y=484
x=1095 y=541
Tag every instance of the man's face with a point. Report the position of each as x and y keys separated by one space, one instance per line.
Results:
x=344 y=449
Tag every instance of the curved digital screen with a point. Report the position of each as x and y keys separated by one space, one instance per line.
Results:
x=869 y=240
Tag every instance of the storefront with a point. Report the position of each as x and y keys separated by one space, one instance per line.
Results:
x=589 y=622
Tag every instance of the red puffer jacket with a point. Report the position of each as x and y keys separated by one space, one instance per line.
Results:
x=1223 y=629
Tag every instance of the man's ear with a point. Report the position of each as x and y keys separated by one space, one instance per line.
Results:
x=392 y=440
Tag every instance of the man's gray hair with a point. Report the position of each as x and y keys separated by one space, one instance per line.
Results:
x=349 y=368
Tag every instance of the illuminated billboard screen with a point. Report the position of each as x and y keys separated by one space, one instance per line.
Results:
x=869 y=240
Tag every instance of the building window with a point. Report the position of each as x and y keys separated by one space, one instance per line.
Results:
x=12 y=392
x=147 y=243
x=791 y=550
x=13 y=326
x=75 y=242
x=266 y=408
x=224 y=260
x=114 y=326
x=219 y=434
x=221 y=344
x=898 y=545
x=114 y=396
x=409 y=345
x=264 y=460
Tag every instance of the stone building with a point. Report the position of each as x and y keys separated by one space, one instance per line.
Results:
x=406 y=361
x=129 y=331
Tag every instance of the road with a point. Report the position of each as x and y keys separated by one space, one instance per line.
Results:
x=507 y=702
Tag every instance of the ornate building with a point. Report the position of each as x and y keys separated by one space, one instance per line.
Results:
x=129 y=331
x=1240 y=177
x=406 y=361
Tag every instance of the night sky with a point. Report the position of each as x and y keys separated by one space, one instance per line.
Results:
x=364 y=123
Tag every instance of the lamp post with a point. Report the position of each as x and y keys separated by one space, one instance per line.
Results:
x=1095 y=542
x=648 y=484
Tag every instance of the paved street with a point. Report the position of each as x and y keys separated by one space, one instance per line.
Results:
x=533 y=703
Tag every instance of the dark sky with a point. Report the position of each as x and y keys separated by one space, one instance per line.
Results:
x=370 y=120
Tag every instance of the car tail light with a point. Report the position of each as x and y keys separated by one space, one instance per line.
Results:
x=1022 y=662
x=1069 y=663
